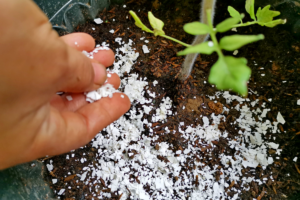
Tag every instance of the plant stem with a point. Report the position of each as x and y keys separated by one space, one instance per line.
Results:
x=175 y=40
x=213 y=34
x=244 y=24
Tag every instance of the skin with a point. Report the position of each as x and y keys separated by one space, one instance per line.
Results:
x=35 y=63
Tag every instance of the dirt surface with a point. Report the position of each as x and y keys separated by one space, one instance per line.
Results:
x=277 y=57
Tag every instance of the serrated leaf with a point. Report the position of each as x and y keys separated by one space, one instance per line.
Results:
x=234 y=13
x=196 y=28
x=266 y=15
x=156 y=24
x=275 y=23
x=234 y=42
x=250 y=8
x=139 y=23
x=230 y=73
x=227 y=24
x=204 y=48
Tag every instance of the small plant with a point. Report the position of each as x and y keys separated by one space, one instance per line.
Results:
x=264 y=16
x=228 y=72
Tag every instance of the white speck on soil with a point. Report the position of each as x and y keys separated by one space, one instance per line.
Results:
x=280 y=119
x=295 y=159
x=145 y=49
x=61 y=191
x=98 y=21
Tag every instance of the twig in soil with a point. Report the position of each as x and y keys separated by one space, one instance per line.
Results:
x=295 y=135
x=132 y=34
x=261 y=195
x=197 y=181
x=274 y=189
x=120 y=196
x=46 y=158
x=176 y=76
x=112 y=10
x=160 y=127
x=52 y=173
x=70 y=177
x=298 y=170
x=116 y=31
x=103 y=183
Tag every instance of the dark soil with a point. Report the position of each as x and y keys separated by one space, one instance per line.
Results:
x=277 y=57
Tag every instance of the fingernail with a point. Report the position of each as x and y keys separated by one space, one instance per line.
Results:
x=100 y=73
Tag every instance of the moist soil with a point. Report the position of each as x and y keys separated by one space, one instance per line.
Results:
x=277 y=57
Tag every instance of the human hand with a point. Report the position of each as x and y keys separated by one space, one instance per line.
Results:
x=34 y=65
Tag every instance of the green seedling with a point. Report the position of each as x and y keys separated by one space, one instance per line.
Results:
x=263 y=17
x=157 y=26
x=228 y=72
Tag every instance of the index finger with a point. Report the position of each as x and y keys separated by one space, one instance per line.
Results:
x=85 y=42
x=79 y=41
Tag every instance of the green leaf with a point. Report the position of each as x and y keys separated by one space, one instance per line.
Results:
x=230 y=73
x=275 y=23
x=139 y=23
x=234 y=42
x=156 y=24
x=204 y=48
x=234 y=13
x=250 y=8
x=265 y=16
x=196 y=28
x=227 y=24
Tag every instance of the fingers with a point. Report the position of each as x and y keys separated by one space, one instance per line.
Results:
x=111 y=109
x=79 y=41
x=68 y=102
x=69 y=130
x=85 y=42
x=113 y=79
x=73 y=102
x=81 y=74
x=105 y=57
x=102 y=59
